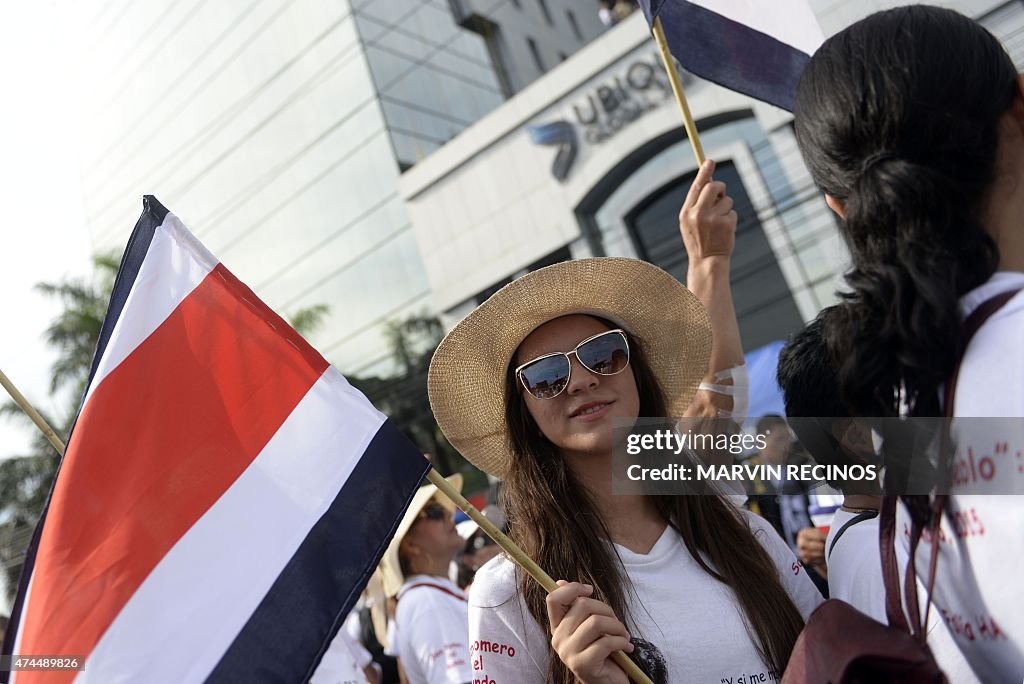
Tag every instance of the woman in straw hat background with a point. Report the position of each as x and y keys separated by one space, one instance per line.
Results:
x=527 y=387
x=429 y=630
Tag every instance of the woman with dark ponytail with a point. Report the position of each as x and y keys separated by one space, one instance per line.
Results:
x=912 y=123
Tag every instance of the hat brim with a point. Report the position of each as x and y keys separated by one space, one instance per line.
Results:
x=391 y=570
x=466 y=382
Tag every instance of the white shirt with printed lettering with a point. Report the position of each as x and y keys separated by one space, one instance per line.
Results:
x=978 y=588
x=694 y=627
x=430 y=635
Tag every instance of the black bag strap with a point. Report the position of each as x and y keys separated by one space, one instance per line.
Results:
x=860 y=517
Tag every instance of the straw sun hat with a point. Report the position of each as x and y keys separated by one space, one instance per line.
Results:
x=390 y=568
x=466 y=383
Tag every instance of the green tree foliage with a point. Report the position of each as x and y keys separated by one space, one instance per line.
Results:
x=403 y=395
x=25 y=479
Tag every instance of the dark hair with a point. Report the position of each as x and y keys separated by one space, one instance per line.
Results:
x=898 y=116
x=577 y=545
x=807 y=374
x=810 y=388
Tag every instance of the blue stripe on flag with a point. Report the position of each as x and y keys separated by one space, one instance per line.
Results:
x=287 y=635
x=153 y=214
x=729 y=53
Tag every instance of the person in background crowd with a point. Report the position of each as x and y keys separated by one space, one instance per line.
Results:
x=527 y=387
x=346 y=662
x=763 y=498
x=822 y=423
x=785 y=503
x=605 y=13
x=368 y=624
x=622 y=9
x=478 y=548
x=927 y=179
x=430 y=618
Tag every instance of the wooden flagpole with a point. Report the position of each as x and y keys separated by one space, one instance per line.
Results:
x=525 y=562
x=677 y=88
x=517 y=554
x=22 y=402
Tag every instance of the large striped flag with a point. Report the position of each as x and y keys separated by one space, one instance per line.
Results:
x=756 y=47
x=224 y=495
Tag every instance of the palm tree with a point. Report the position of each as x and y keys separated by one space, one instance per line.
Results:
x=403 y=396
x=25 y=480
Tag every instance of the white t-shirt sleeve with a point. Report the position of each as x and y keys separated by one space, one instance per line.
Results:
x=341 y=663
x=794 y=577
x=351 y=624
x=433 y=626
x=855 y=567
x=505 y=643
x=359 y=652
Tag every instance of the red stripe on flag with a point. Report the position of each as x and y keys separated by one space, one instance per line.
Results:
x=159 y=441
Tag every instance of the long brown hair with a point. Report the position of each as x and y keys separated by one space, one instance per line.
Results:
x=577 y=544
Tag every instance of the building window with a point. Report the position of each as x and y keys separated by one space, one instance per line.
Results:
x=546 y=12
x=575 y=26
x=536 y=55
x=1006 y=23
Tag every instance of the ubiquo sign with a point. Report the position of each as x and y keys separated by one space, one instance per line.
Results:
x=642 y=86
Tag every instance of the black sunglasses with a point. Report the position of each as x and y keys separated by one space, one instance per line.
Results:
x=547 y=376
x=434 y=511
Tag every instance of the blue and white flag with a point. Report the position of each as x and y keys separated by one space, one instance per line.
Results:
x=755 y=47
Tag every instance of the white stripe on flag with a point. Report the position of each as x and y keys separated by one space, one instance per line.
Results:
x=17 y=639
x=174 y=266
x=789 y=21
x=186 y=614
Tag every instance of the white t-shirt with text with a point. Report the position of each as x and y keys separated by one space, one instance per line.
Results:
x=430 y=631
x=855 y=576
x=978 y=587
x=691 y=622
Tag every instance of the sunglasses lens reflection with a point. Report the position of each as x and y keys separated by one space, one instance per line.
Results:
x=545 y=378
x=605 y=355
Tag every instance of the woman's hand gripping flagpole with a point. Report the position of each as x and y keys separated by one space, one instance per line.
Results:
x=23 y=404
x=524 y=561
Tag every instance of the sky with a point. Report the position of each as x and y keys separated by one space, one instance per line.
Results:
x=44 y=237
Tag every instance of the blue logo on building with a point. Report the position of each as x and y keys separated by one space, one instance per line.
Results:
x=563 y=134
x=640 y=87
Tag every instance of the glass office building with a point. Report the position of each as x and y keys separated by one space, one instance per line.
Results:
x=281 y=131
x=277 y=130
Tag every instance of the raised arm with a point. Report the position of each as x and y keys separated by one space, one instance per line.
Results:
x=707 y=223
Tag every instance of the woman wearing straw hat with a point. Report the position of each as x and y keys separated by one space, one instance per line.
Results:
x=429 y=629
x=527 y=387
